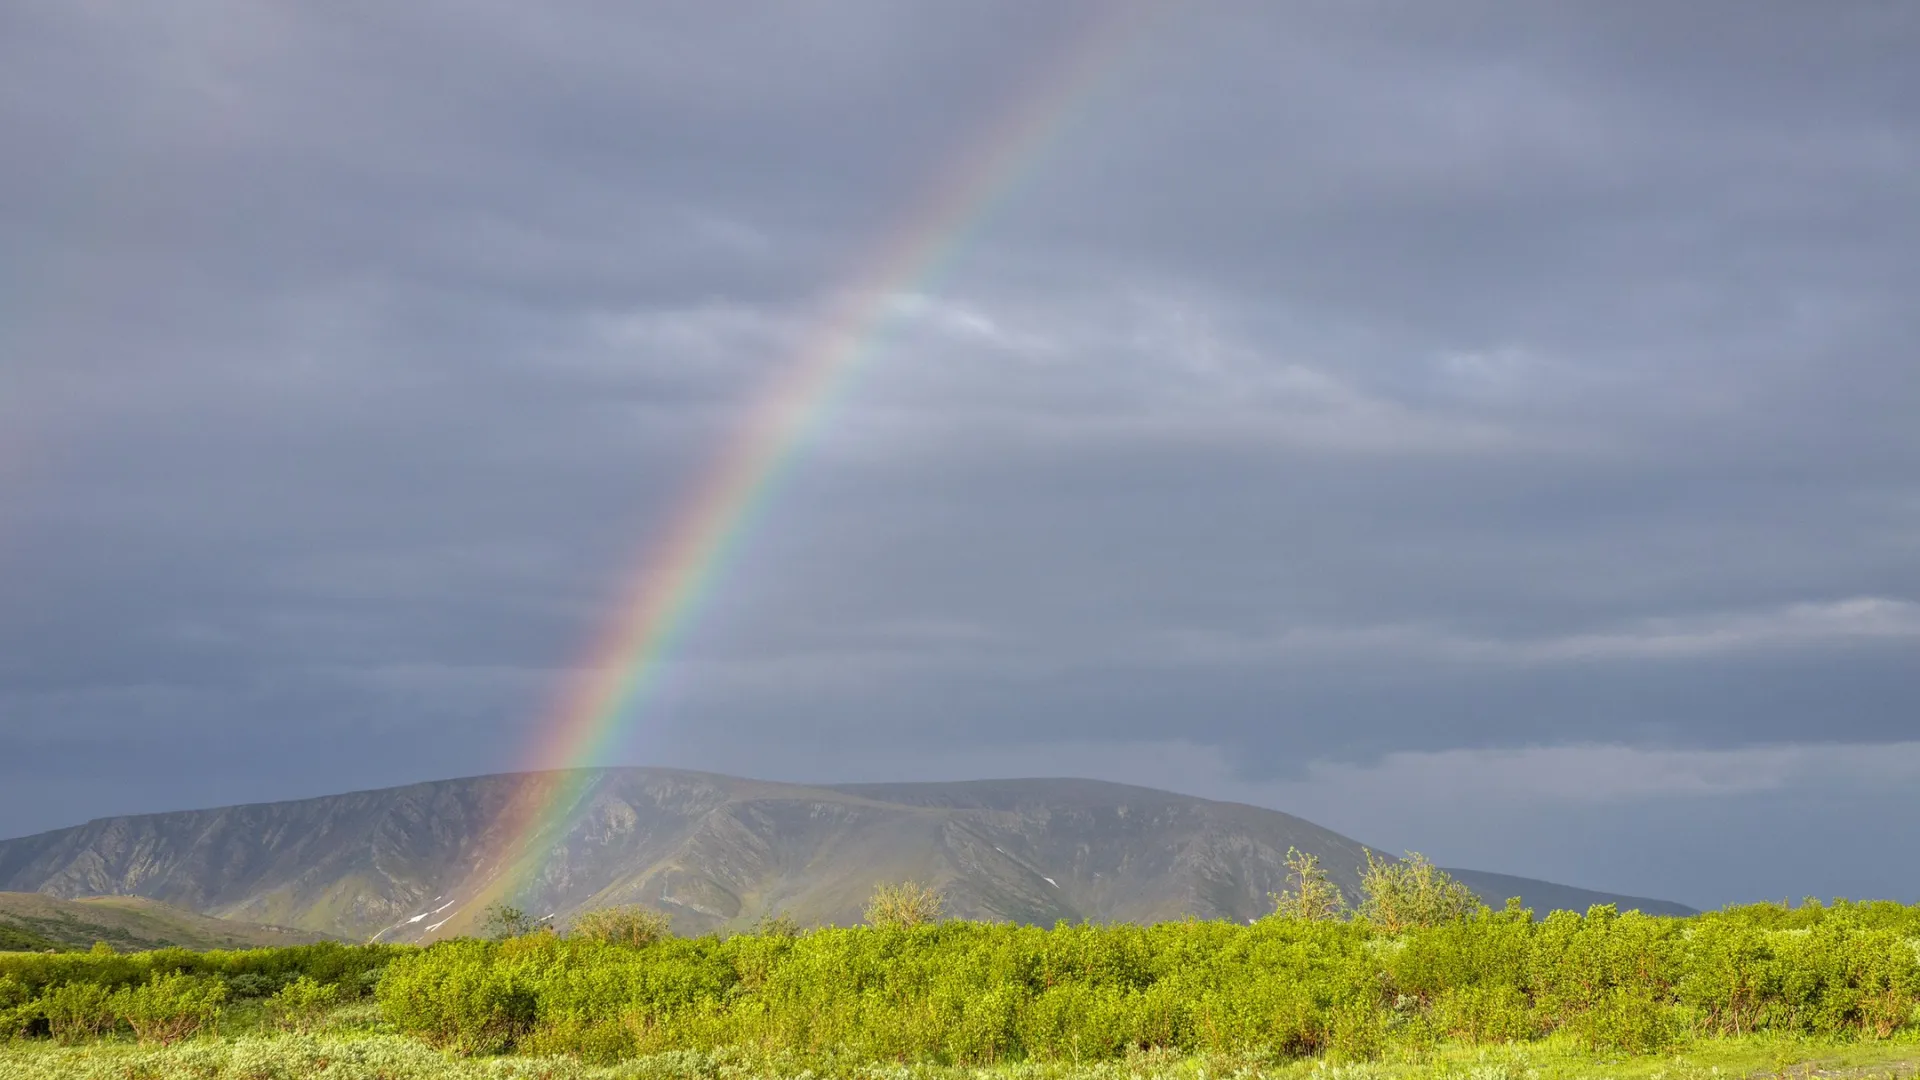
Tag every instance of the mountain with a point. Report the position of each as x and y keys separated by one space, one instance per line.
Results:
x=1545 y=896
x=408 y=863
x=36 y=921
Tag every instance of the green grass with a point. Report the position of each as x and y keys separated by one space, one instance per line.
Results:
x=35 y=922
x=24 y=939
x=361 y=1055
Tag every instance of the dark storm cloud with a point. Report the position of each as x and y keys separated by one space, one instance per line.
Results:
x=1341 y=382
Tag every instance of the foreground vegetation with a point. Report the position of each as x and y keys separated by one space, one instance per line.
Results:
x=1420 y=979
x=392 y=1057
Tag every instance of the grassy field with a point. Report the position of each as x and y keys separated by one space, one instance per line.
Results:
x=35 y=922
x=363 y=1055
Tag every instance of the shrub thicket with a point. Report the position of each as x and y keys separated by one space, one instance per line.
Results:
x=964 y=992
x=15 y=1014
x=248 y=973
x=167 y=1008
x=75 y=1011
x=972 y=992
x=303 y=1004
x=502 y=921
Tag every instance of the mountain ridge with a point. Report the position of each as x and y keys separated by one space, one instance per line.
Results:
x=408 y=862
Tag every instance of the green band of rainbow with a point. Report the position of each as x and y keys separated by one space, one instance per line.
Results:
x=668 y=590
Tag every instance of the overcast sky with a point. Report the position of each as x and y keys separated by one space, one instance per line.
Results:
x=1482 y=429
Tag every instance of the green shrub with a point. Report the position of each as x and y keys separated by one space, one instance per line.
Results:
x=302 y=1004
x=1626 y=1018
x=1312 y=894
x=169 y=1008
x=502 y=921
x=1485 y=1013
x=252 y=985
x=630 y=925
x=775 y=925
x=1356 y=1029
x=906 y=904
x=459 y=996
x=77 y=1011
x=16 y=1015
x=1411 y=894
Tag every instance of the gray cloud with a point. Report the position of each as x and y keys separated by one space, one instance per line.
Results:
x=1339 y=383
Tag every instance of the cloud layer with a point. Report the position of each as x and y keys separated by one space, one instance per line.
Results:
x=1342 y=387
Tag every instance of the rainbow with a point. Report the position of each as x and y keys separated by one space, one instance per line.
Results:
x=668 y=589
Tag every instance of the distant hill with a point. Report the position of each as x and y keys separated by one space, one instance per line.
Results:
x=36 y=921
x=1545 y=896
x=404 y=864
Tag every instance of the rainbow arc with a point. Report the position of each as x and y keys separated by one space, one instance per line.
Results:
x=666 y=592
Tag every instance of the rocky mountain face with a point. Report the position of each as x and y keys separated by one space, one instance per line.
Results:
x=716 y=852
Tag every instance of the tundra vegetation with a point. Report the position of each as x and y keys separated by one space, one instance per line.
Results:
x=1417 y=977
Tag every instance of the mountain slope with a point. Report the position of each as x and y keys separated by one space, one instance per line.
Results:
x=38 y=921
x=1545 y=896
x=409 y=863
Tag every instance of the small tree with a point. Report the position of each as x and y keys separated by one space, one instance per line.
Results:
x=1412 y=893
x=906 y=904
x=775 y=924
x=502 y=921
x=629 y=924
x=1313 y=896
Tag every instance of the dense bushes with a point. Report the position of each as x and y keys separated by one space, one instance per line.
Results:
x=169 y=994
x=970 y=992
x=962 y=992
x=248 y=973
x=303 y=1004
x=167 y=1008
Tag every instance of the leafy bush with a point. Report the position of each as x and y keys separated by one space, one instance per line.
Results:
x=302 y=1004
x=502 y=921
x=1412 y=893
x=630 y=925
x=76 y=1011
x=906 y=904
x=15 y=1014
x=460 y=996
x=775 y=924
x=1313 y=895
x=250 y=985
x=1485 y=1013
x=170 y=1007
x=1626 y=1018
